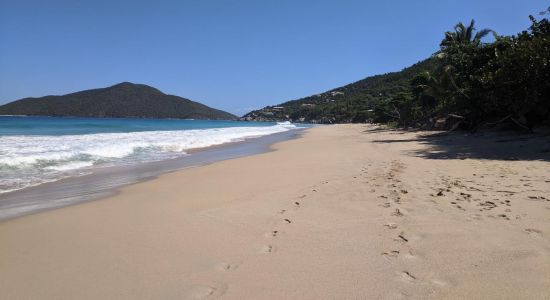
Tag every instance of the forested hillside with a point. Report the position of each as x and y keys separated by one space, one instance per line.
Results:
x=351 y=103
x=468 y=83
x=122 y=100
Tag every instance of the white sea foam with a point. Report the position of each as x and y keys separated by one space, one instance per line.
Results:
x=31 y=160
x=71 y=166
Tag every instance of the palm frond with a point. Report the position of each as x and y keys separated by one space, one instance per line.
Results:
x=459 y=30
x=469 y=31
x=483 y=33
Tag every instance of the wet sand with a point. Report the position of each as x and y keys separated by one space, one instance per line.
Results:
x=100 y=182
x=345 y=212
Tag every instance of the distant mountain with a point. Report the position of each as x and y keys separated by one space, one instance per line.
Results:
x=351 y=103
x=122 y=100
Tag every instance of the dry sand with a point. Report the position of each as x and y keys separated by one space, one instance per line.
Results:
x=346 y=212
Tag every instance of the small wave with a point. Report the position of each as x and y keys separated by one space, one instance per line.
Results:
x=31 y=160
x=71 y=166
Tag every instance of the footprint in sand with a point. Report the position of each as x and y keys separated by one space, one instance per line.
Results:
x=391 y=225
x=503 y=216
x=407 y=276
x=401 y=238
x=397 y=213
x=288 y=221
x=227 y=266
x=268 y=249
x=460 y=207
x=538 y=198
x=391 y=255
x=439 y=282
x=410 y=254
x=533 y=232
x=476 y=217
x=273 y=233
x=202 y=291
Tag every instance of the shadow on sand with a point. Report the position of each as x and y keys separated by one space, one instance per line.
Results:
x=504 y=145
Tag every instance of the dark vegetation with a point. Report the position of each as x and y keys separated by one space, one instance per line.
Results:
x=468 y=83
x=121 y=100
x=487 y=144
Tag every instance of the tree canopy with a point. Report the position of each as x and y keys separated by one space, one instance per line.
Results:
x=470 y=80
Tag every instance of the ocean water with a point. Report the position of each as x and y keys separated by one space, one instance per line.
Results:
x=36 y=150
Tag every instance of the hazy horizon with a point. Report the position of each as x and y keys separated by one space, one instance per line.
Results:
x=231 y=55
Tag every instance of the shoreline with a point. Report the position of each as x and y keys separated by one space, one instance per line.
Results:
x=99 y=184
x=344 y=211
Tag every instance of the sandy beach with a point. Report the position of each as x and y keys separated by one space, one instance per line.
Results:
x=344 y=212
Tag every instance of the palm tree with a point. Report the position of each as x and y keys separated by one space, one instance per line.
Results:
x=442 y=84
x=464 y=35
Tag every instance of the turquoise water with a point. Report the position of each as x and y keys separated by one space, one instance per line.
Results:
x=35 y=150
x=16 y=125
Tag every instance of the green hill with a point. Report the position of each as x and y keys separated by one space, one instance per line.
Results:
x=470 y=83
x=351 y=103
x=121 y=100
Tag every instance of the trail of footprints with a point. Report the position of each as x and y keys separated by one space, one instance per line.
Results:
x=465 y=195
x=472 y=196
x=286 y=219
x=394 y=199
x=269 y=248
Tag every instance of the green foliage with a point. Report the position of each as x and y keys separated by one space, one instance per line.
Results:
x=365 y=100
x=507 y=78
x=472 y=81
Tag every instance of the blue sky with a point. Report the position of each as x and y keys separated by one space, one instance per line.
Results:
x=232 y=55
